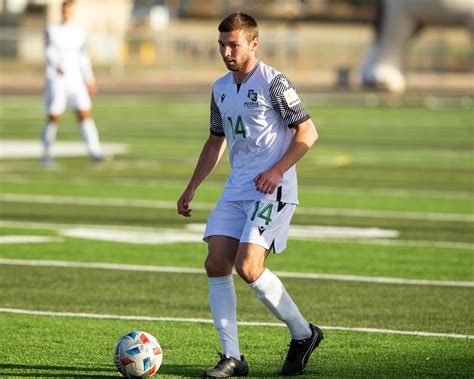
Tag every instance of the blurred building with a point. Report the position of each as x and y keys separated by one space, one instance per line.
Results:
x=22 y=22
x=313 y=41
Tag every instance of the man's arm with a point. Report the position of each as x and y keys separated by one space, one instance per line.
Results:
x=305 y=136
x=210 y=155
x=53 y=58
x=86 y=70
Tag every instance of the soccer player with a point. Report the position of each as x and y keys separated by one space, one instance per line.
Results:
x=69 y=81
x=256 y=111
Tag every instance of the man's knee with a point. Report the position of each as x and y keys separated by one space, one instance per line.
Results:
x=217 y=267
x=221 y=255
x=249 y=263
x=248 y=271
x=54 y=118
x=83 y=114
x=244 y=270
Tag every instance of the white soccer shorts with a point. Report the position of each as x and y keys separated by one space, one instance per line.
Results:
x=59 y=94
x=264 y=223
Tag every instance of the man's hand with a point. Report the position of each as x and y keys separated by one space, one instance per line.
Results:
x=183 y=203
x=91 y=88
x=305 y=136
x=266 y=182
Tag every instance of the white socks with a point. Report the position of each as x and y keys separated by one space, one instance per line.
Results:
x=272 y=293
x=223 y=303
x=91 y=137
x=48 y=136
x=88 y=132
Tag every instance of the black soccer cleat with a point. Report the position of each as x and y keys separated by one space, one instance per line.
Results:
x=300 y=351
x=227 y=367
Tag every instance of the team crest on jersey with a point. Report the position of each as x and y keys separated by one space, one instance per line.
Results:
x=253 y=96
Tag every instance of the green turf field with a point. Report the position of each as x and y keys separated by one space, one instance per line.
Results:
x=397 y=303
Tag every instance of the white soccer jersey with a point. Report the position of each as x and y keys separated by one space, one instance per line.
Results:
x=257 y=121
x=65 y=50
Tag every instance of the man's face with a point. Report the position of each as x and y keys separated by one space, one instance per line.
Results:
x=235 y=49
x=66 y=12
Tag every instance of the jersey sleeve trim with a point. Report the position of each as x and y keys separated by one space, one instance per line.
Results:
x=217 y=134
x=305 y=118
x=286 y=102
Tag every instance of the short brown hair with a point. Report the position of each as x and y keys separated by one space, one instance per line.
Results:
x=240 y=21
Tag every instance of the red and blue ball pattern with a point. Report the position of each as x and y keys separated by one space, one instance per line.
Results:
x=138 y=355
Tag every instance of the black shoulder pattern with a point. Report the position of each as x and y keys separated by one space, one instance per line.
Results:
x=286 y=102
x=217 y=128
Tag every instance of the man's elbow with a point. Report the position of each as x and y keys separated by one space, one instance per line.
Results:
x=312 y=135
x=316 y=135
x=306 y=133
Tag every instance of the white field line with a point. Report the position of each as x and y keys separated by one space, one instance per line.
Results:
x=70 y=200
x=388 y=192
x=194 y=233
x=13 y=149
x=208 y=321
x=132 y=236
x=413 y=243
x=29 y=239
x=381 y=192
x=134 y=203
x=128 y=228
x=282 y=274
x=423 y=216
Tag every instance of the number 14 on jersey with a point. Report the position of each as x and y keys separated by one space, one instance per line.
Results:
x=238 y=127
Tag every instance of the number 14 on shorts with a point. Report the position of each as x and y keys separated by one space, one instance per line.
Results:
x=264 y=213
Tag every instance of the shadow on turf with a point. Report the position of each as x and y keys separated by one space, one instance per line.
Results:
x=41 y=371
x=196 y=372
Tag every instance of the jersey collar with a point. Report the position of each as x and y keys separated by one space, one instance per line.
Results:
x=249 y=74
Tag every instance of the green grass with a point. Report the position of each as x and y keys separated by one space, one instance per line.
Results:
x=329 y=257
x=411 y=166
x=87 y=353
x=401 y=307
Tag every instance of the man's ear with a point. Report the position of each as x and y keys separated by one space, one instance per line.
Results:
x=254 y=44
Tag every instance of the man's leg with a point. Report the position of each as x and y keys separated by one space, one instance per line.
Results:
x=48 y=136
x=222 y=298
x=55 y=102
x=270 y=290
x=223 y=302
x=90 y=135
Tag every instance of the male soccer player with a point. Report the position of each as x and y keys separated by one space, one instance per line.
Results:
x=69 y=81
x=256 y=111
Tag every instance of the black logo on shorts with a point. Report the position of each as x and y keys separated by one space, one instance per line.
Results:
x=222 y=97
x=261 y=229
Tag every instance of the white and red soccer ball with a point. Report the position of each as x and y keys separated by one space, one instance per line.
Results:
x=138 y=355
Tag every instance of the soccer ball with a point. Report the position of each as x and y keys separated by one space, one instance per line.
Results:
x=138 y=355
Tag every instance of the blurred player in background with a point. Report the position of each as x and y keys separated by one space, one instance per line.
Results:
x=69 y=82
x=257 y=112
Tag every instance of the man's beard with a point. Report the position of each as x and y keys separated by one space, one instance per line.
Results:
x=233 y=65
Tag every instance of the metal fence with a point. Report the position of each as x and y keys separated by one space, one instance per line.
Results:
x=192 y=45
